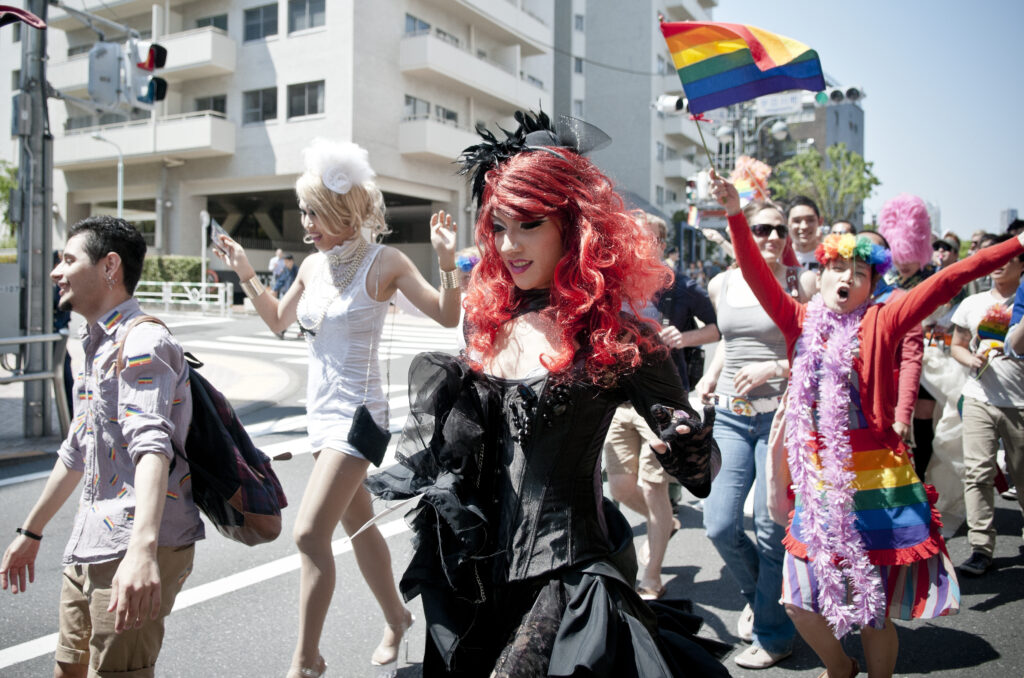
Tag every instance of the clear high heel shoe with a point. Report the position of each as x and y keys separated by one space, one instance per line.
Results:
x=307 y=672
x=390 y=669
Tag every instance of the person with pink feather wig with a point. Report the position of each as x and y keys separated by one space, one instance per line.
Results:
x=904 y=222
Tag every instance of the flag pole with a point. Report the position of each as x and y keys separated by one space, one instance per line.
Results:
x=698 y=119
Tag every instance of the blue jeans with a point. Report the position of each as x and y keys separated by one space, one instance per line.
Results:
x=757 y=568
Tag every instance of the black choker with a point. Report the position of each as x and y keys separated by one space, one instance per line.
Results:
x=532 y=300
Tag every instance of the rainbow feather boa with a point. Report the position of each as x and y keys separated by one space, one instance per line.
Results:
x=821 y=378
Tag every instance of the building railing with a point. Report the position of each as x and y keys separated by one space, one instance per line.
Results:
x=216 y=297
x=144 y=121
x=55 y=376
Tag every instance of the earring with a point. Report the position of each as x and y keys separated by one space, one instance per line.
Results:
x=308 y=239
x=110 y=281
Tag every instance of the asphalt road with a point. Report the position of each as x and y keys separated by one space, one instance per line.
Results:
x=237 y=615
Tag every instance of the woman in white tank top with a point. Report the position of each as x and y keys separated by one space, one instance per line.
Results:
x=340 y=299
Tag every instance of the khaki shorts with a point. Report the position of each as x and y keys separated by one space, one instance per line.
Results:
x=627 y=447
x=87 y=630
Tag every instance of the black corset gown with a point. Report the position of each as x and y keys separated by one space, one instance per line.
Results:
x=523 y=567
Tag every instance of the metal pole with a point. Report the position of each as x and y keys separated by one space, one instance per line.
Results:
x=35 y=241
x=120 y=172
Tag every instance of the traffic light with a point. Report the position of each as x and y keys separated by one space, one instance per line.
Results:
x=672 y=104
x=143 y=88
x=105 y=74
x=839 y=95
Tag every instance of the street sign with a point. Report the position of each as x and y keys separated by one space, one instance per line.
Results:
x=784 y=103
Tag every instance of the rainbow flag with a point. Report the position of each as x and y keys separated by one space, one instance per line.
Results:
x=722 y=64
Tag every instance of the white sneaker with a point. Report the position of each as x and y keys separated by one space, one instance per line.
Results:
x=755 y=657
x=745 y=625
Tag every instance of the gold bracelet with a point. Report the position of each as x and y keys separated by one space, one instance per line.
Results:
x=449 y=279
x=253 y=287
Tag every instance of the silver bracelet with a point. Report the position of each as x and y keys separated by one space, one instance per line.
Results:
x=253 y=287
x=449 y=279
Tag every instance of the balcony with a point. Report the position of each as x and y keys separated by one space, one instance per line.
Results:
x=681 y=129
x=185 y=136
x=679 y=168
x=198 y=53
x=434 y=60
x=688 y=10
x=426 y=138
x=504 y=20
x=115 y=10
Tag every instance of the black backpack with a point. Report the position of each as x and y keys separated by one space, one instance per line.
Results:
x=232 y=481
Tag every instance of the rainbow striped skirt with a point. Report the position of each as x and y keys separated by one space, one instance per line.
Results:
x=900 y=530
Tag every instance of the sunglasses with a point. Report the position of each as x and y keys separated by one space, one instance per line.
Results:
x=765 y=230
x=942 y=246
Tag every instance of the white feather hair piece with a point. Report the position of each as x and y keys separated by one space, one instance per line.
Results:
x=340 y=164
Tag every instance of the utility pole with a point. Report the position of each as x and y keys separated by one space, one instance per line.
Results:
x=35 y=242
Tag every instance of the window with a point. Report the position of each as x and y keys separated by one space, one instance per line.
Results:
x=306 y=98
x=577 y=65
x=260 y=22
x=481 y=54
x=415 y=25
x=672 y=196
x=217 y=21
x=16 y=80
x=536 y=82
x=17 y=32
x=78 y=49
x=446 y=115
x=447 y=37
x=659 y=151
x=217 y=102
x=577 y=108
x=303 y=14
x=416 y=108
x=659 y=195
x=577 y=22
x=259 y=105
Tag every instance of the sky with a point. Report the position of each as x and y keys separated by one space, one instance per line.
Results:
x=944 y=110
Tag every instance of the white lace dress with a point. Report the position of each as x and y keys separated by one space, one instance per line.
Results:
x=340 y=348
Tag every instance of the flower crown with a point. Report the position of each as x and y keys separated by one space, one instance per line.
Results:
x=339 y=164
x=849 y=246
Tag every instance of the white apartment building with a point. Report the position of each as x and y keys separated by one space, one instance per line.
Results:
x=611 y=68
x=251 y=82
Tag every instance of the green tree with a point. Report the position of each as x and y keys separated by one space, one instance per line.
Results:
x=839 y=181
x=8 y=181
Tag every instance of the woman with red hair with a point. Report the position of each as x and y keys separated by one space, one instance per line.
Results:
x=523 y=567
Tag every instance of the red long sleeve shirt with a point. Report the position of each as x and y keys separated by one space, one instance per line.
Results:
x=882 y=326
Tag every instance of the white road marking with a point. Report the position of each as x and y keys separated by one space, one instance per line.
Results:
x=38 y=647
x=25 y=478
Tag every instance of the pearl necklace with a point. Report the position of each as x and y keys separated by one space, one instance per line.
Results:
x=338 y=271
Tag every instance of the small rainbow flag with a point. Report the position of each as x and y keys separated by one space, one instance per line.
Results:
x=109 y=523
x=171 y=495
x=112 y=319
x=146 y=380
x=113 y=480
x=176 y=401
x=124 y=491
x=184 y=479
x=138 y=360
x=130 y=411
x=113 y=454
x=721 y=64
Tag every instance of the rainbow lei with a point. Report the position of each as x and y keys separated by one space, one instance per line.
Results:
x=821 y=377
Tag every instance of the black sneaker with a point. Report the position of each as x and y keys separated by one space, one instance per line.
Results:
x=976 y=565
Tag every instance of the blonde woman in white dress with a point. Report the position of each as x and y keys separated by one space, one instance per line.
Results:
x=340 y=299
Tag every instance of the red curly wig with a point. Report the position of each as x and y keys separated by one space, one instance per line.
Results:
x=609 y=263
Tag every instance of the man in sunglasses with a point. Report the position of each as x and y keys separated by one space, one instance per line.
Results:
x=946 y=251
x=805 y=229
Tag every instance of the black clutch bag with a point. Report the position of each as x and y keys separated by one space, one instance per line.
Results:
x=369 y=439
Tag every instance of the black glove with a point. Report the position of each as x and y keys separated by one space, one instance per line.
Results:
x=688 y=457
